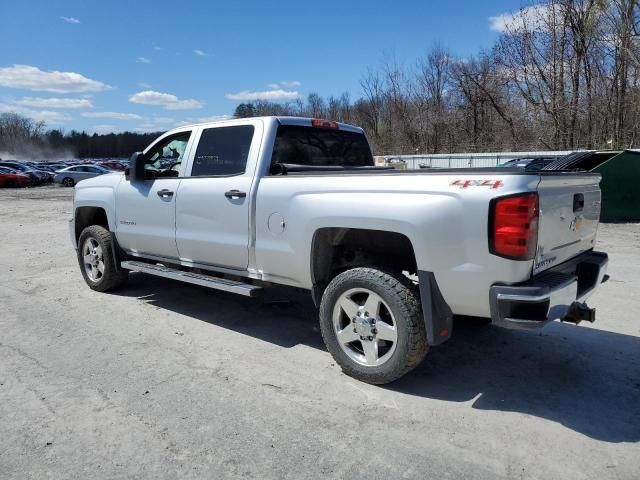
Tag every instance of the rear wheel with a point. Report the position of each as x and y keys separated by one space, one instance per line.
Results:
x=68 y=182
x=97 y=264
x=11 y=184
x=372 y=324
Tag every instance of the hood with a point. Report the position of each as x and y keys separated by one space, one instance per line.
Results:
x=107 y=180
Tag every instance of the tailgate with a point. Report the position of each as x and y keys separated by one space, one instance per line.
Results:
x=569 y=216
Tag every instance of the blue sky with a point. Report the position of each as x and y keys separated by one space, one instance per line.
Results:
x=148 y=66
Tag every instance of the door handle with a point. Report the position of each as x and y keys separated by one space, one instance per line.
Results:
x=165 y=193
x=235 y=194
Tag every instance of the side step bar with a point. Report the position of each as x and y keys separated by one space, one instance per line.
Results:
x=195 y=278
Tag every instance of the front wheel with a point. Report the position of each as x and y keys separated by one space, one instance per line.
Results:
x=68 y=182
x=97 y=264
x=372 y=324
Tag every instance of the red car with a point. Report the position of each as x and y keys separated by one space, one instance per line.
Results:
x=13 y=180
x=113 y=165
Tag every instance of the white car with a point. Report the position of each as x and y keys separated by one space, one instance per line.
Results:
x=389 y=256
x=69 y=176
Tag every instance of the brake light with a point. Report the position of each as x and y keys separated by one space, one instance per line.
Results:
x=513 y=226
x=319 y=122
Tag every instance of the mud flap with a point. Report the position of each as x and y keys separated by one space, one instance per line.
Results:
x=438 y=318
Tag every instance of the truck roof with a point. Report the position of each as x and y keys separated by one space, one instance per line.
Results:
x=283 y=120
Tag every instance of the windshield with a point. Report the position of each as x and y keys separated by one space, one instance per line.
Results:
x=320 y=147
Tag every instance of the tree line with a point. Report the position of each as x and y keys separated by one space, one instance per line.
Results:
x=22 y=137
x=563 y=75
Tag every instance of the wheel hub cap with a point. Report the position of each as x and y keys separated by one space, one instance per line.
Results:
x=365 y=327
x=93 y=259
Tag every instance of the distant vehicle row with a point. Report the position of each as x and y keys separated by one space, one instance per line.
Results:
x=15 y=173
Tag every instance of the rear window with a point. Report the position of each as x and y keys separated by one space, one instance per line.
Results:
x=319 y=146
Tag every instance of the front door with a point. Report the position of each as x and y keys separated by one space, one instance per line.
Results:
x=146 y=209
x=213 y=208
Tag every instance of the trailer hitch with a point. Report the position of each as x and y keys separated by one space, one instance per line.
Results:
x=579 y=312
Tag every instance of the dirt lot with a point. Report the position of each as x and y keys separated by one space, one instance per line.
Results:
x=164 y=380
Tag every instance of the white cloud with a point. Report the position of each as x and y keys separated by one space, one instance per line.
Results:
x=28 y=77
x=165 y=100
x=112 y=115
x=47 y=116
x=147 y=127
x=533 y=17
x=284 y=84
x=163 y=120
x=212 y=118
x=104 y=128
x=70 y=20
x=200 y=53
x=53 y=102
x=143 y=60
x=274 y=95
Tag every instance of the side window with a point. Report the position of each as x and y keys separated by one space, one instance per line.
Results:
x=165 y=157
x=222 y=151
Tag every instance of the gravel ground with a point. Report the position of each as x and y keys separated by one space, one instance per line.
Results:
x=165 y=380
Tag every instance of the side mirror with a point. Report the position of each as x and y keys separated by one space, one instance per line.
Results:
x=135 y=171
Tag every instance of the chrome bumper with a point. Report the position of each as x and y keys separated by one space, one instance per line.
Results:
x=550 y=295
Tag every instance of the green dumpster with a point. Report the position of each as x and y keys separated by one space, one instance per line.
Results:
x=620 y=187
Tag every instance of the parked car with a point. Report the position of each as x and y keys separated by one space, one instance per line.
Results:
x=389 y=256
x=71 y=175
x=36 y=177
x=581 y=161
x=44 y=174
x=12 y=179
x=113 y=165
x=530 y=164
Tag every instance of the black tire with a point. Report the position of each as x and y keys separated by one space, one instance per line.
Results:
x=402 y=299
x=11 y=184
x=111 y=278
x=68 y=182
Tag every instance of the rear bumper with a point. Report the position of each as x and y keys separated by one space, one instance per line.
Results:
x=551 y=295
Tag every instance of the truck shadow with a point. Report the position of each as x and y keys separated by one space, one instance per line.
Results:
x=583 y=378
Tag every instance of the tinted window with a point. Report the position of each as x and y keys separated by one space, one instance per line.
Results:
x=222 y=151
x=319 y=146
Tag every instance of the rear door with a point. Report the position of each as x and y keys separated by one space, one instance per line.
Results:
x=214 y=199
x=569 y=216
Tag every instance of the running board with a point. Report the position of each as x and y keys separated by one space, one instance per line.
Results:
x=195 y=278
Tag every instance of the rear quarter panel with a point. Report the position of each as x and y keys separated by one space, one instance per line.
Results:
x=446 y=224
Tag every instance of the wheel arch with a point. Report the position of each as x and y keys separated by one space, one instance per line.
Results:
x=335 y=249
x=86 y=216
x=389 y=249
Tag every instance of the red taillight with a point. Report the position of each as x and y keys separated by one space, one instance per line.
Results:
x=513 y=226
x=318 y=122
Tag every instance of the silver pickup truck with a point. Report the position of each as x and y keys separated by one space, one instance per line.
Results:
x=389 y=256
